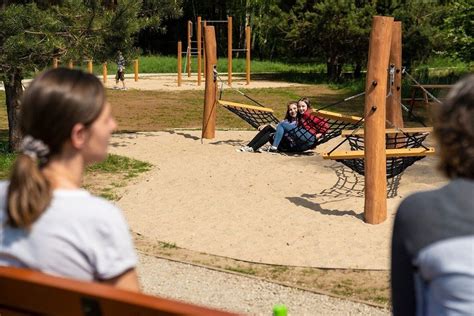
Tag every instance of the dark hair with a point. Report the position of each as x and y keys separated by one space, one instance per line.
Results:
x=307 y=101
x=454 y=130
x=287 y=115
x=50 y=107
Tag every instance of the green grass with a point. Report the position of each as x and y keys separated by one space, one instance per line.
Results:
x=120 y=164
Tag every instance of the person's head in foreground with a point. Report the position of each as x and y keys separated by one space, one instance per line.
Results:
x=454 y=130
x=432 y=264
x=66 y=123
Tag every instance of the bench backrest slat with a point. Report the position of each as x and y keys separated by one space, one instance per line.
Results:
x=30 y=292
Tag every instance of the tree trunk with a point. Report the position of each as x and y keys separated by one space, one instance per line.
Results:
x=331 y=68
x=13 y=92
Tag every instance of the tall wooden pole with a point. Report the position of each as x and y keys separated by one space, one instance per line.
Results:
x=135 y=69
x=55 y=62
x=90 y=68
x=204 y=24
x=180 y=51
x=104 y=72
x=394 y=108
x=199 y=47
x=210 y=96
x=247 y=55
x=188 y=55
x=229 y=50
x=375 y=210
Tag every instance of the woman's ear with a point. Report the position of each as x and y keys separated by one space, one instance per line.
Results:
x=79 y=136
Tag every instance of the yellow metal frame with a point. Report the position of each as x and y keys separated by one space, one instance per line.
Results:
x=390 y=153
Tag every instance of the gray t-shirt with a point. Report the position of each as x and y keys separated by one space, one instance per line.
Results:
x=79 y=236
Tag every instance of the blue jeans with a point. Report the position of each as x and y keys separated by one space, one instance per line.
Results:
x=303 y=135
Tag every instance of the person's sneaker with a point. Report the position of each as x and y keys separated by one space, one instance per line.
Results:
x=247 y=149
x=272 y=149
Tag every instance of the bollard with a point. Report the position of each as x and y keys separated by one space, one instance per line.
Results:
x=135 y=68
x=89 y=66
x=104 y=72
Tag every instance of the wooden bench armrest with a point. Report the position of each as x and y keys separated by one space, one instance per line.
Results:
x=391 y=153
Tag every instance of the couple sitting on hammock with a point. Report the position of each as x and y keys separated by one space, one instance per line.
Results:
x=299 y=131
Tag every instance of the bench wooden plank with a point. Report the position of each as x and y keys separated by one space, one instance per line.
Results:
x=27 y=292
x=407 y=130
x=245 y=106
x=391 y=153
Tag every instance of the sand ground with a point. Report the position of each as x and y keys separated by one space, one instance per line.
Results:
x=269 y=208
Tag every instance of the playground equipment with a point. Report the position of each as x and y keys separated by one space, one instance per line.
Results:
x=200 y=50
x=370 y=156
x=90 y=67
x=371 y=149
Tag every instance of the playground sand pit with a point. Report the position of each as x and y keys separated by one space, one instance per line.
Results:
x=295 y=210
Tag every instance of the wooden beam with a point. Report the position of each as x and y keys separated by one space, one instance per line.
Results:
x=245 y=106
x=210 y=94
x=407 y=130
x=389 y=153
x=375 y=208
x=394 y=108
x=337 y=116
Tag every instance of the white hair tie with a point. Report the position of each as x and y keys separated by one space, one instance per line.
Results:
x=35 y=148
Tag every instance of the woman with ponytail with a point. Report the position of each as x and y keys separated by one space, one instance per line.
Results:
x=47 y=222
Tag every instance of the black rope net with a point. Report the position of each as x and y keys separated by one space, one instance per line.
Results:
x=253 y=116
x=395 y=165
x=300 y=138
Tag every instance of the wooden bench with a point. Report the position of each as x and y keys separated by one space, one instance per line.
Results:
x=27 y=292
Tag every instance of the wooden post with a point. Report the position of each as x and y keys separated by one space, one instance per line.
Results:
x=375 y=209
x=104 y=72
x=180 y=51
x=55 y=62
x=229 y=50
x=199 y=47
x=135 y=69
x=204 y=51
x=188 y=57
x=209 y=116
x=70 y=65
x=90 y=68
x=247 y=59
x=394 y=108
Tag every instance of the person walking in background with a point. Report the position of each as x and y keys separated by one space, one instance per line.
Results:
x=47 y=222
x=120 y=71
x=432 y=264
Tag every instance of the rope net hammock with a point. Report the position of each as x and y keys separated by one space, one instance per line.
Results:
x=403 y=150
x=333 y=125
